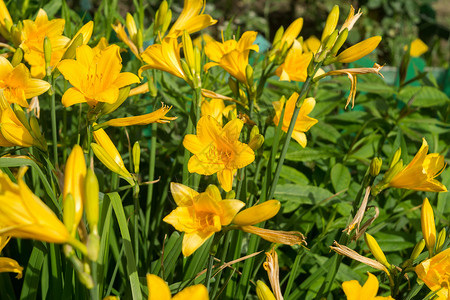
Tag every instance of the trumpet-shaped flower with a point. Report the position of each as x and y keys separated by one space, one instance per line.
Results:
x=164 y=57
x=191 y=19
x=8 y=264
x=232 y=55
x=74 y=177
x=435 y=272
x=24 y=215
x=200 y=215
x=303 y=122
x=107 y=153
x=94 y=77
x=419 y=174
x=159 y=290
x=354 y=291
x=218 y=150
x=295 y=65
x=17 y=84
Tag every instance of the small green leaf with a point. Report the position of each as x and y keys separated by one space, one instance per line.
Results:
x=340 y=177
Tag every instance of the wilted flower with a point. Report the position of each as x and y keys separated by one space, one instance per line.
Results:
x=95 y=77
x=303 y=122
x=218 y=150
x=354 y=291
x=273 y=271
x=435 y=272
x=159 y=290
x=200 y=215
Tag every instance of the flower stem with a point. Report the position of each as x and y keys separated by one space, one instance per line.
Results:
x=53 y=117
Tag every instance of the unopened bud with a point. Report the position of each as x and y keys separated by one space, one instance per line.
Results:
x=249 y=75
x=139 y=40
x=440 y=240
x=396 y=157
x=375 y=166
x=339 y=42
x=91 y=206
x=20 y=114
x=136 y=156
x=376 y=250
x=187 y=72
x=258 y=213
x=17 y=57
x=69 y=212
x=230 y=195
x=417 y=250
x=390 y=174
x=93 y=246
x=160 y=16
x=234 y=86
x=359 y=50
x=152 y=87
x=331 y=39
x=278 y=36
x=263 y=291
x=428 y=225
x=256 y=142
x=331 y=23
x=131 y=27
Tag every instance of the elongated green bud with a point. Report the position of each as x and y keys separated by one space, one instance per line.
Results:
x=91 y=205
x=417 y=250
x=230 y=195
x=234 y=86
x=390 y=174
x=69 y=212
x=376 y=250
x=140 y=40
x=110 y=107
x=440 y=240
x=375 y=166
x=249 y=75
x=187 y=71
x=331 y=39
x=20 y=114
x=339 y=42
x=17 y=57
x=93 y=246
x=396 y=157
x=331 y=23
x=278 y=36
x=256 y=142
x=71 y=51
x=136 y=156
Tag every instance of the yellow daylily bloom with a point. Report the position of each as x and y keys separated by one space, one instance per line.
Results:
x=417 y=48
x=351 y=73
x=359 y=50
x=354 y=291
x=232 y=55
x=213 y=108
x=17 y=84
x=164 y=57
x=191 y=19
x=159 y=290
x=419 y=174
x=8 y=264
x=122 y=35
x=157 y=116
x=5 y=18
x=311 y=44
x=24 y=215
x=95 y=77
x=428 y=225
x=218 y=150
x=74 y=177
x=435 y=272
x=295 y=65
x=107 y=153
x=202 y=40
x=200 y=215
x=303 y=122
x=257 y=213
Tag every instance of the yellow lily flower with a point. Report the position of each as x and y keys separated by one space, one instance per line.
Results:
x=74 y=177
x=95 y=77
x=24 y=215
x=232 y=56
x=122 y=35
x=164 y=57
x=107 y=153
x=5 y=18
x=291 y=33
x=354 y=291
x=159 y=290
x=17 y=84
x=218 y=150
x=419 y=174
x=157 y=116
x=417 y=48
x=200 y=215
x=213 y=108
x=303 y=122
x=295 y=65
x=8 y=264
x=435 y=272
x=191 y=19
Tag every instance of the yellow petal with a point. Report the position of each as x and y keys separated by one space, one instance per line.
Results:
x=72 y=96
x=418 y=47
x=158 y=116
x=193 y=241
x=197 y=292
x=352 y=289
x=370 y=288
x=229 y=207
x=73 y=71
x=225 y=178
x=10 y=265
x=126 y=78
x=157 y=288
x=257 y=213
x=182 y=194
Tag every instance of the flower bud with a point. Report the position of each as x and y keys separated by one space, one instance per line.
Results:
x=375 y=166
x=359 y=50
x=258 y=213
x=329 y=43
x=20 y=114
x=161 y=13
x=93 y=246
x=136 y=156
x=131 y=27
x=71 y=51
x=263 y=291
x=110 y=107
x=331 y=23
x=69 y=213
x=230 y=195
x=339 y=42
x=249 y=75
x=376 y=250
x=428 y=226
x=440 y=240
x=396 y=157
x=48 y=55
x=278 y=36
x=390 y=174
x=92 y=191
x=140 y=40
x=234 y=86
x=17 y=57
x=188 y=51
x=417 y=250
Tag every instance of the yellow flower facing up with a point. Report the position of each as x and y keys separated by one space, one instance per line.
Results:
x=303 y=122
x=419 y=174
x=200 y=215
x=8 y=264
x=435 y=272
x=159 y=290
x=218 y=150
x=295 y=65
x=191 y=19
x=95 y=77
x=24 y=215
x=232 y=55
x=74 y=178
x=428 y=226
x=354 y=291
x=17 y=84
x=107 y=153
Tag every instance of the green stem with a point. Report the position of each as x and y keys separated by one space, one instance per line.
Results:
x=151 y=175
x=53 y=117
x=209 y=270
